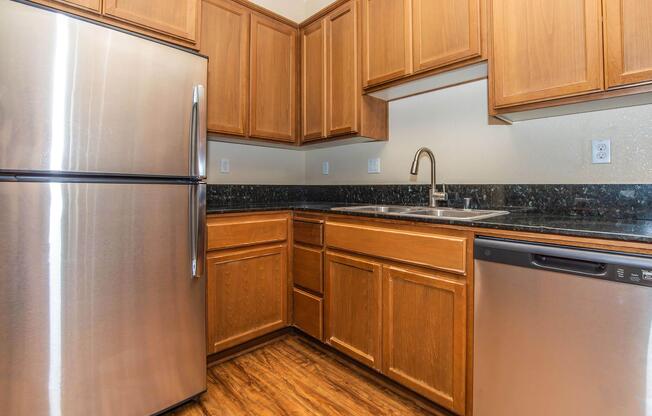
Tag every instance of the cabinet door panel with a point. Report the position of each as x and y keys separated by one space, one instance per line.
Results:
x=246 y=295
x=273 y=97
x=177 y=18
x=353 y=305
x=343 y=90
x=424 y=337
x=386 y=40
x=628 y=41
x=545 y=49
x=313 y=79
x=225 y=40
x=444 y=32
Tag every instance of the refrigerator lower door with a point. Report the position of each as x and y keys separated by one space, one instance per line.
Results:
x=82 y=98
x=99 y=311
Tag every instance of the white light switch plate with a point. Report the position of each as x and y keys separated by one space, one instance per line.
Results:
x=325 y=168
x=601 y=151
x=373 y=165
x=225 y=166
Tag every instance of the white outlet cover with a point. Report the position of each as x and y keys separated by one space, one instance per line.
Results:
x=601 y=151
x=225 y=166
x=373 y=165
x=325 y=168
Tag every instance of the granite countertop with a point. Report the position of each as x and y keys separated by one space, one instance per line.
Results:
x=519 y=220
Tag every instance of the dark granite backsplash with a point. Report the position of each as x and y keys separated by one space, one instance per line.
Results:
x=611 y=201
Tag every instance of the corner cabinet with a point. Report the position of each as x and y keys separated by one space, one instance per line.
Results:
x=313 y=81
x=333 y=103
x=545 y=49
x=273 y=89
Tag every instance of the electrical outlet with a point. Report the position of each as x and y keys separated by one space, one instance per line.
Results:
x=325 y=168
x=373 y=165
x=601 y=151
x=225 y=166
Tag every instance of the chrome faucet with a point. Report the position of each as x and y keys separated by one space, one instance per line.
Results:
x=435 y=196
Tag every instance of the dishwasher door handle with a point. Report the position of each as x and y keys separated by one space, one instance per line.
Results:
x=568 y=265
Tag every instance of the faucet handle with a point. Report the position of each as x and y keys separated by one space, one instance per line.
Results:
x=440 y=196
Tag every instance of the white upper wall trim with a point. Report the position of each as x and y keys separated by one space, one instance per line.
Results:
x=296 y=10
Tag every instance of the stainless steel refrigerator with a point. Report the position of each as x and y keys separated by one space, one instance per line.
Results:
x=102 y=208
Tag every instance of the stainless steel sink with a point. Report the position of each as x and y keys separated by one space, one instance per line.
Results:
x=425 y=212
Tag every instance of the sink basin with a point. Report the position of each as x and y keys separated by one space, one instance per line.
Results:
x=425 y=212
x=381 y=209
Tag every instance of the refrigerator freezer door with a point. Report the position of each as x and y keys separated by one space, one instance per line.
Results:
x=79 y=97
x=99 y=311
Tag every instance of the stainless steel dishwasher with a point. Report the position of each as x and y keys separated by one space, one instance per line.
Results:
x=561 y=331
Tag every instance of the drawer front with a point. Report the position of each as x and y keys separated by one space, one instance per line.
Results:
x=308 y=313
x=308 y=232
x=307 y=268
x=438 y=251
x=246 y=231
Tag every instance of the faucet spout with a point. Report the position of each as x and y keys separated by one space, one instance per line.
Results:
x=435 y=196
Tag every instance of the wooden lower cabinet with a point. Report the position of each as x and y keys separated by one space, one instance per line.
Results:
x=308 y=268
x=424 y=334
x=246 y=295
x=353 y=307
x=308 y=313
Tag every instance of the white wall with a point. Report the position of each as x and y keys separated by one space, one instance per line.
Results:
x=453 y=123
x=297 y=10
x=255 y=165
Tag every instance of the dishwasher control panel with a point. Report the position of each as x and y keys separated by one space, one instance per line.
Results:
x=616 y=267
x=633 y=275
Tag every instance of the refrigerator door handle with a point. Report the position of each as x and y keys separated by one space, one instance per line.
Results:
x=198 y=229
x=198 y=133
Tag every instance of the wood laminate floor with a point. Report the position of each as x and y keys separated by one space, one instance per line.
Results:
x=291 y=377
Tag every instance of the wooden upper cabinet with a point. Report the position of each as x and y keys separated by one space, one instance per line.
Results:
x=343 y=86
x=628 y=41
x=313 y=79
x=177 y=18
x=225 y=40
x=353 y=307
x=273 y=88
x=94 y=6
x=386 y=40
x=543 y=50
x=424 y=340
x=445 y=32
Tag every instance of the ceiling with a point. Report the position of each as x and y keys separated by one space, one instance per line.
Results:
x=296 y=10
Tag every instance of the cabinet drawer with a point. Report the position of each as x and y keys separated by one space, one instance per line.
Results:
x=438 y=251
x=307 y=268
x=308 y=313
x=308 y=232
x=247 y=231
